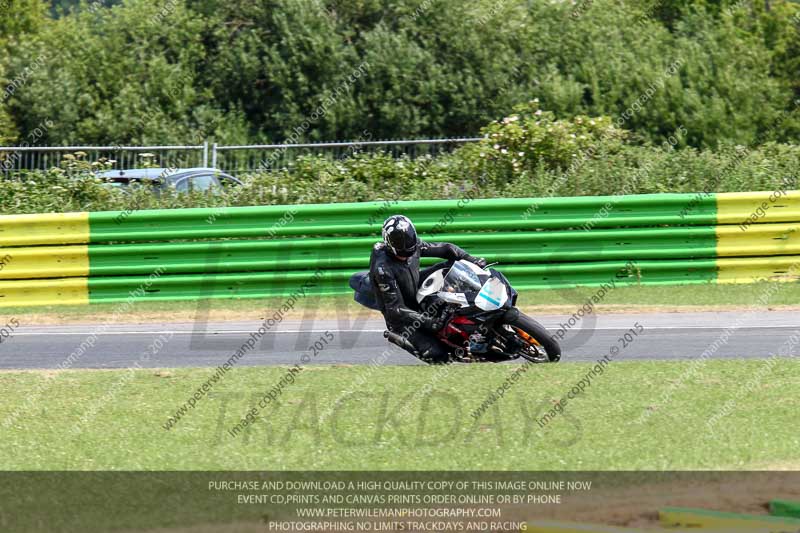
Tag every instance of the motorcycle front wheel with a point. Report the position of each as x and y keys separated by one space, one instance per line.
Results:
x=538 y=345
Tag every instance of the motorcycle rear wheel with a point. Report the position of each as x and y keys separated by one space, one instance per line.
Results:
x=540 y=347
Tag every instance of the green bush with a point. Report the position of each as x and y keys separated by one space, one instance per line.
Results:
x=532 y=141
x=180 y=71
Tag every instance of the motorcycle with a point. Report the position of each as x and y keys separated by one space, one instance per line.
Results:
x=482 y=323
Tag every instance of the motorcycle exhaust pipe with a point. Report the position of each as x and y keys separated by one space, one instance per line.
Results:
x=400 y=341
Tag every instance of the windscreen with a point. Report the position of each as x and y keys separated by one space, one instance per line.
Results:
x=461 y=278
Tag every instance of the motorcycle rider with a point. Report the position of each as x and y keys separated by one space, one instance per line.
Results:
x=394 y=273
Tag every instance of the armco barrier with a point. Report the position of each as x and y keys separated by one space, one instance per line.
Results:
x=78 y=258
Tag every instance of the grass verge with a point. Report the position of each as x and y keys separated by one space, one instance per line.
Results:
x=701 y=297
x=635 y=415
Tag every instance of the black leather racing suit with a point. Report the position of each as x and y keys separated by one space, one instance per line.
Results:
x=395 y=284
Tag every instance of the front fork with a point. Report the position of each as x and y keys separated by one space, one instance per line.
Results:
x=511 y=343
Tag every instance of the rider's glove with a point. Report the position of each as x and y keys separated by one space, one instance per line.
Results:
x=439 y=321
x=480 y=261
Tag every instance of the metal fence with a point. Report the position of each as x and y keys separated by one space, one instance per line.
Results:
x=19 y=158
x=235 y=159
x=265 y=157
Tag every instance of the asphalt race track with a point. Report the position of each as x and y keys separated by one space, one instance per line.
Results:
x=665 y=336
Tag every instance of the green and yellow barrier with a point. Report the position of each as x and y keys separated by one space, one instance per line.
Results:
x=65 y=291
x=736 y=208
x=51 y=228
x=252 y=252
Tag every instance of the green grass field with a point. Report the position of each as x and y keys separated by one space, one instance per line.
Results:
x=635 y=415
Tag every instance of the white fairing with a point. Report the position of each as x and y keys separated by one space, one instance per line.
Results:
x=493 y=295
x=431 y=285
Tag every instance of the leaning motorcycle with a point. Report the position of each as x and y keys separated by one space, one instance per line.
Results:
x=482 y=322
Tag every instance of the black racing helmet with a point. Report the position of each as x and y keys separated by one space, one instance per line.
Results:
x=400 y=235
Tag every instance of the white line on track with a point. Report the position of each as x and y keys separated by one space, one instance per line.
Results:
x=285 y=332
x=189 y=332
